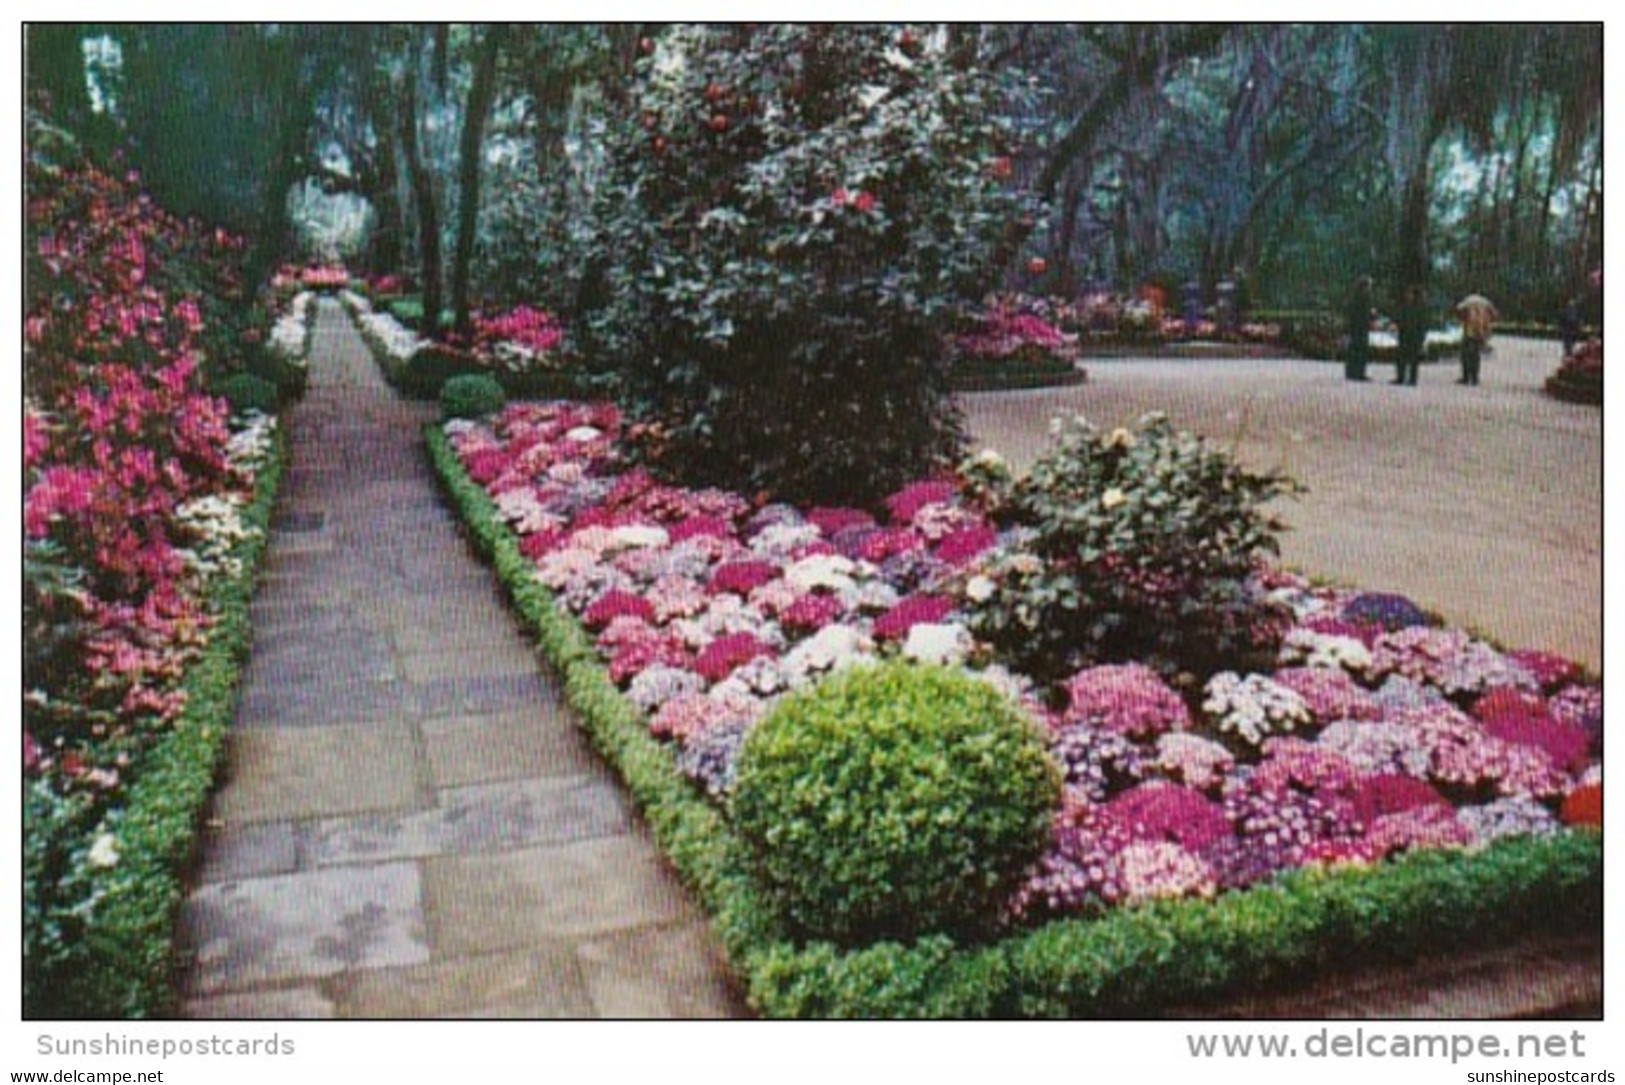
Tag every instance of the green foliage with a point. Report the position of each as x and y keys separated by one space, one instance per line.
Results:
x=789 y=218
x=1136 y=546
x=471 y=396
x=248 y=392
x=894 y=801
x=1135 y=961
x=100 y=940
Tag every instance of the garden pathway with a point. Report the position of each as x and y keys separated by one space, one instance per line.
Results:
x=411 y=824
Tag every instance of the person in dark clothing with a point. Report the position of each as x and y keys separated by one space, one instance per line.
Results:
x=1359 y=330
x=1413 y=334
x=1568 y=326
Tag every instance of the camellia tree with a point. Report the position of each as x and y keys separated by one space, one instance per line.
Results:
x=790 y=217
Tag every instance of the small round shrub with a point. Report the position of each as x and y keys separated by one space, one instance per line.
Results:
x=247 y=392
x=471 y=396
x=893 y=801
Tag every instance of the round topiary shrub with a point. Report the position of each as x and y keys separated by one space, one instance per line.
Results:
x=893 y=801
x=247 y=392
x=471 y=396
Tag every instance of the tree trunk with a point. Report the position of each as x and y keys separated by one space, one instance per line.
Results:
x=480 y=94
x=423 y=194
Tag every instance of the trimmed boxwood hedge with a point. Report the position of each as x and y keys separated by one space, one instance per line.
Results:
x=125 y=965
x=1134 y=961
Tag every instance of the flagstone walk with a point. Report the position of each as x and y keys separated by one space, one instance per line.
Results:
x=411 y=824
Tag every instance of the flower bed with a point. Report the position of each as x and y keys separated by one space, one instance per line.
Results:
x=1579 y=378
x=143 y=510
x=521 y=349
x=700 y=609
x=1011 y=345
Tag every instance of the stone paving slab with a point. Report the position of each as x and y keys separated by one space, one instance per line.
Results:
x=539 y=983
x=460 y=695
x=321 y=702
x=305 y=926
x=277 y=773
x=281 y=1003
x=512 y=899
x=535 y=741
x=252 y=850
x=656 y=972
x=495 y=658
x=484 y=818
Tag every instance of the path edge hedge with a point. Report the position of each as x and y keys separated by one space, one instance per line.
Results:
x=1133 y=962
x=127 y=964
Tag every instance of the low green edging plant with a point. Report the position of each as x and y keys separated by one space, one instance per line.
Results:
x=122 y=962
x=1134 y=961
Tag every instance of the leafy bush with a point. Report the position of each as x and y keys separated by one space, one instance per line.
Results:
x=892 y=802
x=790 y=216
x=247 y=392
x=1136 y=545
x=471 y=396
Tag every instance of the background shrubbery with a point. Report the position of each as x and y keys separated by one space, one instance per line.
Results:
x=791 y=215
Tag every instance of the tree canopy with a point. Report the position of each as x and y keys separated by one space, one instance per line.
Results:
x=1292 y=158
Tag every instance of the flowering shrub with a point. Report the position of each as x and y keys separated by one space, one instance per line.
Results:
x=789 y=217
x=1137 y=546
x=1006 y=331
x=521 y=340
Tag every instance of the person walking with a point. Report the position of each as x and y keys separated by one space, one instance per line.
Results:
x=1568 y=326
x=1359 y=330
x=1413 y=335
x=1477 y=316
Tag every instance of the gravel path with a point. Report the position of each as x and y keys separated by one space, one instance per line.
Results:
x=1484 y=504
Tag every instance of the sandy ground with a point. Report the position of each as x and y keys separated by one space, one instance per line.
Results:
x=1484 y=504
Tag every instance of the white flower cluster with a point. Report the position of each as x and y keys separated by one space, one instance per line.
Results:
x=1313 y=649
x=215 y=521
x=247 y=448
x=390 y=335
x=289 y=333
x=1253 y=707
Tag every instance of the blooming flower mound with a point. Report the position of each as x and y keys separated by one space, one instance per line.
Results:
x=1376 y=733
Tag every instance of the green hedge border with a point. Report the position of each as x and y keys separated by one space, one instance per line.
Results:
x=125 y=966
x=1133 y=962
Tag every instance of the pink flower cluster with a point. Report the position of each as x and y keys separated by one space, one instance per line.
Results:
x=702 y=602
x=533 y=329
x=119 y=440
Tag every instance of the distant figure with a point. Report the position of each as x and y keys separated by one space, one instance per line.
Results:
x=1569 y=326
x=1224 y=304
x=1192 y=292
x=1477 y=320
x=1359 y=330
x=1413 y=335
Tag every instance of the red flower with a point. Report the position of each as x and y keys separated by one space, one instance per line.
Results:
x=838 y=197
x=864 y=201
x=1583 y=806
